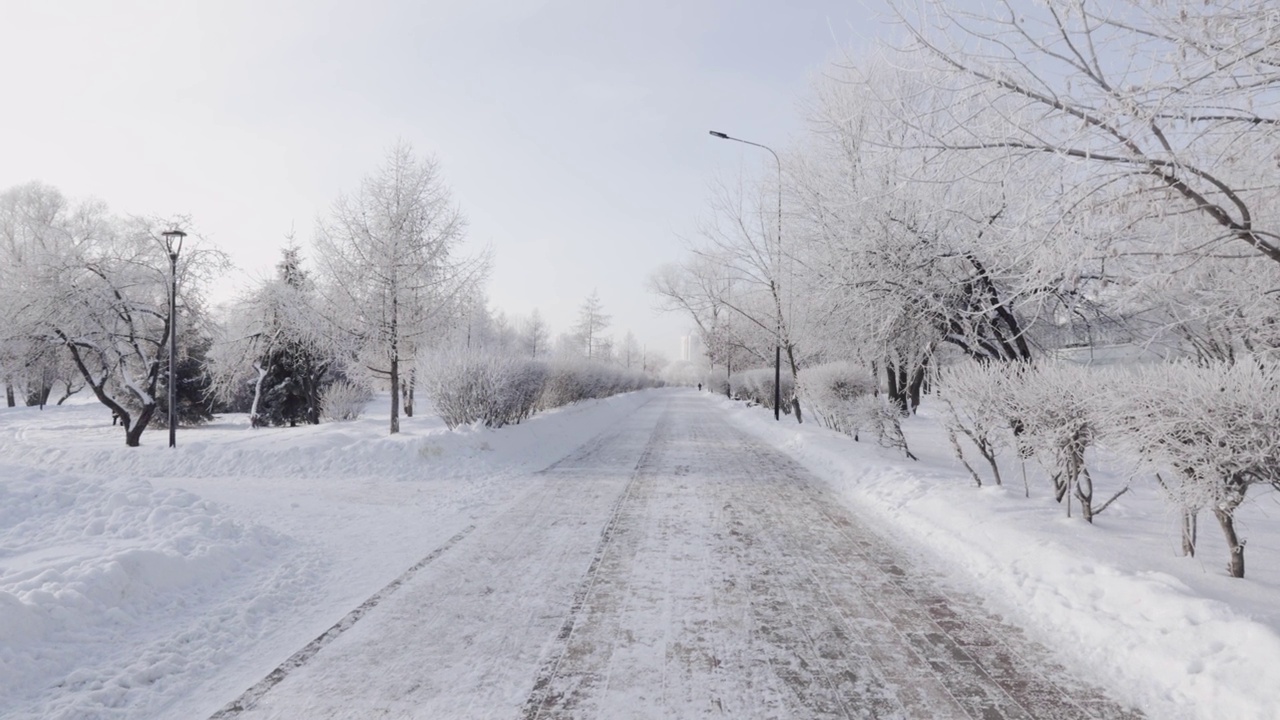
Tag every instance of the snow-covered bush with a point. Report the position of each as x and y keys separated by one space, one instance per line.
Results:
x=497 y=390
x=977 y=398
x=344 y=399
x=756 y=386
x=1209 y=432
x=882 y=417
x=568 y=382
x=1056 y=411
x=717 y=381
x=832 y=393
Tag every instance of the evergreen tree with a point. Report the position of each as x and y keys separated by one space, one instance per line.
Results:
x=193 y=390
x=296 y=370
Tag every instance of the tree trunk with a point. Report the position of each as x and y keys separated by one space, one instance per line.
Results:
x=1059 y=487
x=254 y=421
x=133 y=433
x=955 y=447
x=1084 y=493
x=406 y=391
x=39 y=396
x=1235 y=565
x=395 y=395
x=8 y=394
x=914 y=387
x=1189 y=520
x=897 y=387
x=795 y=383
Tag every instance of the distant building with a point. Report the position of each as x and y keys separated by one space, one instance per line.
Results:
x=691 y=348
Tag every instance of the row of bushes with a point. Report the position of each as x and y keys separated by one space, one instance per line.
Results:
x=1206 y=432
x=499 y=390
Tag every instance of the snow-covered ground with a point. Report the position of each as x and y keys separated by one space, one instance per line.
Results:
x=149 y=582
x=1172 y=635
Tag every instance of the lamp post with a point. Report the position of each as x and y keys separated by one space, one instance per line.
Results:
x=773 y=281
x=173 y=243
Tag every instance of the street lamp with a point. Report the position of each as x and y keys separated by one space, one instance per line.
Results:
x=173 y=243
x=773 y=281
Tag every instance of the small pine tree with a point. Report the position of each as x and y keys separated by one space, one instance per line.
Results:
x=296 y=370
x=193 y=390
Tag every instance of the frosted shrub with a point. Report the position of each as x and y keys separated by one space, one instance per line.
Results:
x=977 y=400
x=572 y=381
x=879 y=416
x=1214 y=429
x=717 y=381
x=344 y=400
x=493 y=389
x=569 y=382
x=1056 y=409
x=832 y=392
x=756 y=386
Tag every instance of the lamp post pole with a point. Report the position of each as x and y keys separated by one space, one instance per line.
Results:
x=173 y=243
x=773 y=281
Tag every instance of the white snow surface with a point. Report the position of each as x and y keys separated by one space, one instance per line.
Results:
x=154 y=583
x=157 y=582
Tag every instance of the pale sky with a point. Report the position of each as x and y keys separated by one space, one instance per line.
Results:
x=573 y=133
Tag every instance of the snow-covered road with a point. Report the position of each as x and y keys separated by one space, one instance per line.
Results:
x=674 y=567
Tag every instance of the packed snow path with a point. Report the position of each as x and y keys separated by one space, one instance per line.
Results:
x=674 y=568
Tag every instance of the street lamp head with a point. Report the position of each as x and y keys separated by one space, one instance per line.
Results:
x=173 y=241
x=720 y=135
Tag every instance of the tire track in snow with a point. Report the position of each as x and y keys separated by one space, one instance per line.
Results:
x=251 y=696
x=541 y=698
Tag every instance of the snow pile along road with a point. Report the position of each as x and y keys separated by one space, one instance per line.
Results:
x=91 y=565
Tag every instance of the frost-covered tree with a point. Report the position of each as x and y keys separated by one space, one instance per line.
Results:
x=297 y=363
x=629 y=351
x=97 y=286
x=277 y=342
x=1210 y=433
x=978 y=407
x=535 y=335
x=703 y=291
x=1168 y=107
x=592 y=322
x=393 y=276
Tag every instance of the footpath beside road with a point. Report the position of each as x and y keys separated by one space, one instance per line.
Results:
x=675 y=567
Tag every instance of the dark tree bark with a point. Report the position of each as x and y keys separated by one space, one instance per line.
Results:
x=132 y=428
x=897 y=387
x=1235 y=563
x=39 y=396
x=795 y=380
x=916 y=384
x=395 y=394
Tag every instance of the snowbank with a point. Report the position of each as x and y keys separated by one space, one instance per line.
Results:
x=87 y=564
x=1171 y=635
